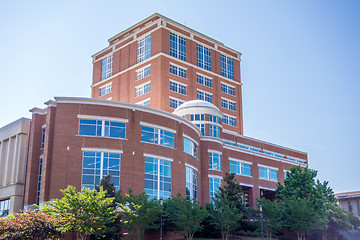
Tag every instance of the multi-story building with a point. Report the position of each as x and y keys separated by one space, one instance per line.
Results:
x=350 y=201
x=165 y=117
x=162 y=64
x=14 y=139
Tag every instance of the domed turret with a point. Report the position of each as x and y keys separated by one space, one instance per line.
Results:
x=198 y=107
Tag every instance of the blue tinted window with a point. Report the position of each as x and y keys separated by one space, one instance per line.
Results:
x=177 y=46
x=157 y=183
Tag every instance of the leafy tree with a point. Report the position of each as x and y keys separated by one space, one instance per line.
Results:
x=87 y=213
x=29 y=224
x=140 y=213
x=186 y=214
x=232 y=192
x=271 y=215
x=112 y=230
x=224 y=215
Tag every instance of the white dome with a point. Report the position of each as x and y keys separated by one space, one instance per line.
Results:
x=197 y=107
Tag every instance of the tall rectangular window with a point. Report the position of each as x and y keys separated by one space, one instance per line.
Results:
x=144 y=72
x=4 y=207
x=214 y=119
x=142 y=89
x=190 y=147
x=43 y=130
x=157 y=136
x=203 y=55
x=106 y=67
x=229 y=120
x=177 y=87
x=227 y=66
x=174 y=103
x=105 y=89
x=97 y=165
x=201 y=95
x=268 y=174
x=214 y=161
x=214 y=131
x=177 y=46
x=144 y=48
x=178 y=71
x=191 y=182
x=240 y=168
x=203 y=80
x=100 y=128
x=202 y=128
x=214 y=183
x=39 y=181
x=157 y=178
x=227 y=89
x=228 y=104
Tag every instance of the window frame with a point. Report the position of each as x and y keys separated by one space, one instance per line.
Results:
x=106 y=67
x=143 y=48
x=203 y=57
x=227 y=66
x=177 y=48
x=142 y=89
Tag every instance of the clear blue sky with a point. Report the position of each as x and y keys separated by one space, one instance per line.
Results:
x=300 y=65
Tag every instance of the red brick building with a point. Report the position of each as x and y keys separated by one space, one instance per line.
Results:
x=165 y=117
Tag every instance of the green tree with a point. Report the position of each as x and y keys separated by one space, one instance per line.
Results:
x=232 y=192
x=271 y=216
x=87 y=213
x=186 y=215
x=224 y=216
x=140 y=213
x=29 y=224
x=112 y=230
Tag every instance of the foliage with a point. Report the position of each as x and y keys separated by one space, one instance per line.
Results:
x=113 y=231
x=233 y=194
x=29 y=224
x=140 y=213
x=271 y=212
x=186 y=215
x=224 y=215
x=88 y=212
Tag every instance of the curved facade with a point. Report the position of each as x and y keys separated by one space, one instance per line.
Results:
x=77 y=141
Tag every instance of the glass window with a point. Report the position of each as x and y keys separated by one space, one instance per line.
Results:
x=240 y=168
x=178 y=87
x=204 y=96
x=229 y=120
x=142 y=89
x=227 y=89
x=144 y=49
x=99 y=128
x=157 y=136
x=39 y=181
x=214 y=119
x=97 y=165
x=190 y=147
x=228 y=104
x=177 y=46
x=203 y=55
x=227 y=66
x=215 y=183
x=143 y=73
x=197 y=117
x=202 y=128
x=268 y=174
x=105 y=89
x=191 y=182
x=4 y=207
x=214 y=161
x=145 y=103
x=106 y=67
x=42 y=138
x=214 y=131
x=174 y=103
x=203 y=80
x=178 y=71
x=157 y=178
